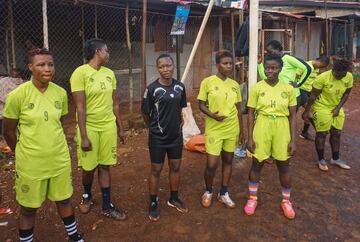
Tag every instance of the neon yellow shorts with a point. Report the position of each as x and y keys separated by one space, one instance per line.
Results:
x=271 y=137
x=324 y=120
x=104 y=144
x=32 y=193
x=214 y=145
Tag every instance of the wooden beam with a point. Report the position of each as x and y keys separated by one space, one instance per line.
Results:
x=143 y=46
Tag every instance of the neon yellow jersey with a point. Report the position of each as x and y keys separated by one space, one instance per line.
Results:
x=98 y=86
x=272 y=100
x=41 y=150
x=221 y=96
x=307 y=86
x=289 y=71
x=332 y=90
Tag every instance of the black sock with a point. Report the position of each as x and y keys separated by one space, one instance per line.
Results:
x=223 y=190
x=87 y=190
x=335 y=155
x=26 y=235
x=209 y=189
x=306 y=128
x=153 y=198
x=320 y=153
x=174 y=195
x=106 y=198
x=71 y=228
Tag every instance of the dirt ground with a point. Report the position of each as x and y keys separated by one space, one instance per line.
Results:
x=327 y=203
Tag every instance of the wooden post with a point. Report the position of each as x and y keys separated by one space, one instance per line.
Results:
x=143 y=46
x=233 y=42
x=130 y=61
x=12 y=37
x=308 y=38
x=45 y=24
x=253 y=43
x=95 y=22
x=221 y=43
x=197 y=41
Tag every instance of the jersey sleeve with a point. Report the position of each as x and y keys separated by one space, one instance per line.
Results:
x=147 y=102
x=203 y=91
x=292 y=97
x=350 y=81
x=77 y=81
x=238 y=92
x=320 y=81
x=183 y=102
x=64 y=105
x=253 y=97
x=261 y=71
x=12 y=106
x=114 y=81
x=302 y=66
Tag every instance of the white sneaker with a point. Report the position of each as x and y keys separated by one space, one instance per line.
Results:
x=206 y=199
x=340 y=163
x=225 y=199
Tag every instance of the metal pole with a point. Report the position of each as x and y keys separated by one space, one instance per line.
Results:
x=11 y=20
x=95 y=22
x=83 y=33
x=197 y=41
x=327 y=36
x=178 y=66
x=143 y=45
x=253 y=45
x=233 y=42
x=7 y=51
x=346 y=40
x=45 y=24
x=128 y=40
x=242 y=59
x=308 y=38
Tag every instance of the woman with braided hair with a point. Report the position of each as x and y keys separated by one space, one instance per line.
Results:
x=330 y=91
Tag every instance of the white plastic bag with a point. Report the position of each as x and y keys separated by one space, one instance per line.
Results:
x=190 y=128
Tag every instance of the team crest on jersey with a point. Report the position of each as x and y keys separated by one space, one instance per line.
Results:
x=216 y=88
x=284 y=95
x=57 y=105
x=108 y=79
x=91 y=80
x=31 y=106
x=234 y=89
x=25 y=188
x=262 y=94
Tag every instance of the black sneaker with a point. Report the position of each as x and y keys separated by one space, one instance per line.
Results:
x=115 y=213
x=306 y=136
x=178 y=204
x=154 y=212
x=78 y=239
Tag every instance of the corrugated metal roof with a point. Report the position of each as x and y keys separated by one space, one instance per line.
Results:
x=315 y=3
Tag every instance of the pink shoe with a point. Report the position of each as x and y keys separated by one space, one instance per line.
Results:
x=288 y=209
x=250 y=207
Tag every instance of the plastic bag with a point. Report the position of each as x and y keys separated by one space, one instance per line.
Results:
x=190 y=128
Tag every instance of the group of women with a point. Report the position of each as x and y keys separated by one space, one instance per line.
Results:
x=34 y=113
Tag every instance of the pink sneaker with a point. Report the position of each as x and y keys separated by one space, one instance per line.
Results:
x=288 y=209
x=250 y=207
